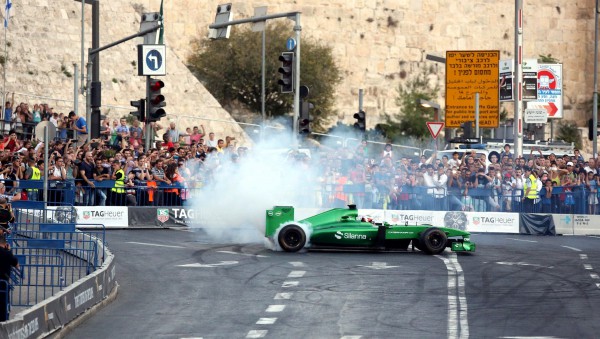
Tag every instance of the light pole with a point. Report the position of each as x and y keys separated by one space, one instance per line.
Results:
x=595 y=108
x=431 y=104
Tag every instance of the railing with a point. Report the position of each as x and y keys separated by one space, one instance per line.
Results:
x=52 y=253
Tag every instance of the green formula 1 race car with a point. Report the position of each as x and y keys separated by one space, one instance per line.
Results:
x=341 y=228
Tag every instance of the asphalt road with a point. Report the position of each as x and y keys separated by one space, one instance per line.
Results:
x=512 y=287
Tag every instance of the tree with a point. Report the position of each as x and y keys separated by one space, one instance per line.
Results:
x=568 y=132
x=230 y=70
x=411 y=120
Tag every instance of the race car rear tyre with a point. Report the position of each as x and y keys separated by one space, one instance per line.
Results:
x=433 y=241
x=292 y=238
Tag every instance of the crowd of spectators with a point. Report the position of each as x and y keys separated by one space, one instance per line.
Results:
x=371 y=177
x=165 y=174
x=556 y=183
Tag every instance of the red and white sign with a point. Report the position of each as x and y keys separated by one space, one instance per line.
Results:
x=435 y=128
x=549 y=91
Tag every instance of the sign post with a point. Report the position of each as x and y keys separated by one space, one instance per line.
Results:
x=468 y=73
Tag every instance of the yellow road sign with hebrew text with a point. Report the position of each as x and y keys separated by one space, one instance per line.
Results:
x=468 y=73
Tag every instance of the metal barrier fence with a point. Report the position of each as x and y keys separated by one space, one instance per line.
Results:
x=52 y=253
x=562 y=200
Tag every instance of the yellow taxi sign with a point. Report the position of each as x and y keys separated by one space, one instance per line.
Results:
x=468 y=73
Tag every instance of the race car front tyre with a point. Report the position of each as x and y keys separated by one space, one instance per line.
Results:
x=292 y=238
x=433 y=241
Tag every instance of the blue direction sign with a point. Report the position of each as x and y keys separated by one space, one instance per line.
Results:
x=152 y=60
x=290 y=44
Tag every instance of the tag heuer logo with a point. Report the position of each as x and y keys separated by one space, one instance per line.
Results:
x=162 y=214
x=86 y=215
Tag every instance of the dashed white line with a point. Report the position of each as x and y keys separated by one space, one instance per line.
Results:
x=155 y=245
x=598 y=285
x=588 y=267
x=572 y=248
x=583 y=256
x=275 y=308
x=289 y=284
x=296 y=274
x=594 y=276
x=351 y=337
x=284 y=296
x=297 y=263
x=266 y=321
x=256 y=333
x=245 y=254
x=515 y=239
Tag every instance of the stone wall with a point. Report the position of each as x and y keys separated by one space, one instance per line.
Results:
x=376 y=43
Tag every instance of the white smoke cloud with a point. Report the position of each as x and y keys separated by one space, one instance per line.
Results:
x=231 y=207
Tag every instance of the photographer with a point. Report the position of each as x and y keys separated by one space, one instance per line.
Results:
x=7 y=262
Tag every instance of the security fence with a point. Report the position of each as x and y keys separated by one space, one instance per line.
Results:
x=52 y=253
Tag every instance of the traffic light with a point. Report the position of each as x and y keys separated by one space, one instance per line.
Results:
x=361 y=122
x=140 y=112
x=591 y=129
x=304 y=119
x=286 y=82
x=156 y=101
x=467 y=128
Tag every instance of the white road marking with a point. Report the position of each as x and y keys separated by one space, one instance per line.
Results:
x=536 y=337
x=588 y=267
x=458 y=322
x=266 y=321
x=598 y=285
x=515 y=239
x=284 y=295
x=297 y=263
x=245 y=254
x=289 y=283
x=156 y=245
x=572 y=248
x=296 y=274
x=275 y=308
x=191 y=338
x=583 y=256
x=222 y=263
x=351 y=337
x=510 y=263
x=594 y=276
x=256 y=333
x=378 y=266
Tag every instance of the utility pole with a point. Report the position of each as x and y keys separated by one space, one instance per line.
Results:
x=218 y=26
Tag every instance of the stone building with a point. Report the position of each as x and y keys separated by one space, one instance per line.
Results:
x=377 y=44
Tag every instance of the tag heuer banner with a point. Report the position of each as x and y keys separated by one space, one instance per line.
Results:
x=159 y=216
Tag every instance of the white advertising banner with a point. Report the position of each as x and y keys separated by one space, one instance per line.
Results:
x=109 y=216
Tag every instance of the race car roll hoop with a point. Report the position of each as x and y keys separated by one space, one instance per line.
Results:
x=341 y=228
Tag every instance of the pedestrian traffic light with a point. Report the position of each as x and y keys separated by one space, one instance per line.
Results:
x=467 y=128
x=286 y=82
x=140 y=112
x=304 y=120
x=156 y=101
x=361 y=122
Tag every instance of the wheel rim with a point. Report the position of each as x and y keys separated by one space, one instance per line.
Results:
x=292 y=238
x=436 y=240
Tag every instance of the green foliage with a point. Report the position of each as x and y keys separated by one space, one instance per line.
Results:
x=230 y=70
x=410 y=122
x=568 y=132
x=548 y=59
